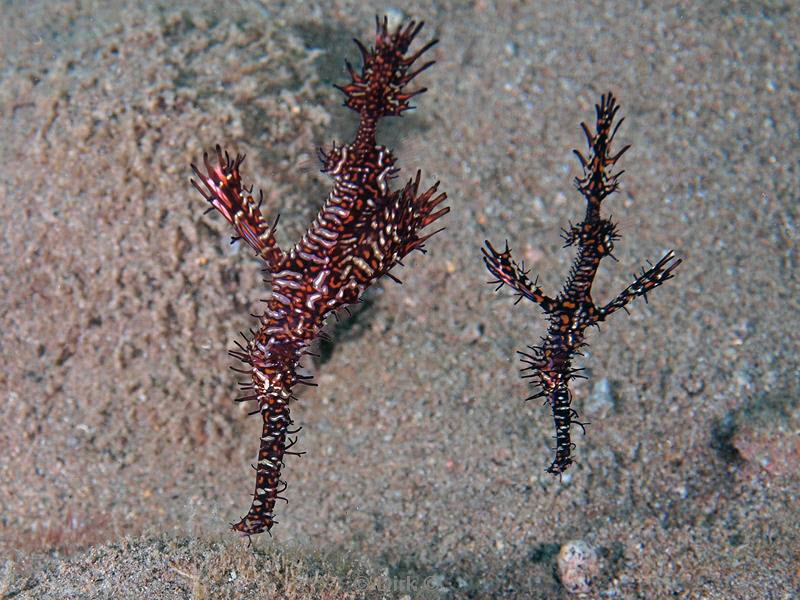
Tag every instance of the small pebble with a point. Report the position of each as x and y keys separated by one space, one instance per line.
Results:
x=600 y=401
x=578 y=566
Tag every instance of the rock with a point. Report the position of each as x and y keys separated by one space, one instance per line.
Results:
x=578 y=566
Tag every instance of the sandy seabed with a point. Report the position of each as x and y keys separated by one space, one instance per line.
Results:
x=123 y=459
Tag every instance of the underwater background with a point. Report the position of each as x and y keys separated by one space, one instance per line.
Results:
x=122 y=457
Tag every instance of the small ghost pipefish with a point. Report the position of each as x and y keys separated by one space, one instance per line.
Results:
x=363 y=230
x=569 y=314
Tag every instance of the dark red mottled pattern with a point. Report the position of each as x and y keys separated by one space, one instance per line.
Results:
x=550 y=363
x=362 y=231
